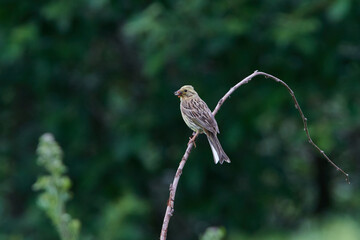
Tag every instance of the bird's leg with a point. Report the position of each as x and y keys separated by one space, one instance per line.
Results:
x=192 y=139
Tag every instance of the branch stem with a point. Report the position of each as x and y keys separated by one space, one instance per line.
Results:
x=170 y=205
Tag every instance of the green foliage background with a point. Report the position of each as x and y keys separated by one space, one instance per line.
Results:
x=100 y=76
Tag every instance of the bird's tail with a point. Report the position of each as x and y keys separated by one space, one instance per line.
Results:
x=217 y=150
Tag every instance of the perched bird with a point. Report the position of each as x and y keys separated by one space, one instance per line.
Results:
x=200 y=119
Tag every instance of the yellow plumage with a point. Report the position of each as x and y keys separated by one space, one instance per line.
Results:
x=198 y=117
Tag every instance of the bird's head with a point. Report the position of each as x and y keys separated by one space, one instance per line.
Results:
x=186 y=91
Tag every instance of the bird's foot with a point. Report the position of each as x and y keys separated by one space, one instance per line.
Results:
x=192 y=140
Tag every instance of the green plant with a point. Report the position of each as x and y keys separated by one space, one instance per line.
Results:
x=214 y=233
x=55 y=188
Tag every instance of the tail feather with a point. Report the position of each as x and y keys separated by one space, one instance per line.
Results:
x=218 y=152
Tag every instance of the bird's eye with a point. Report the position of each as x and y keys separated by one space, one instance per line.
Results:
x=185 y=91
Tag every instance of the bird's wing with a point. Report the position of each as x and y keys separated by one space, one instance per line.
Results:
x=200 y=114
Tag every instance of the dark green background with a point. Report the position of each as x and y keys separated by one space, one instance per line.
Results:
x=100 y=76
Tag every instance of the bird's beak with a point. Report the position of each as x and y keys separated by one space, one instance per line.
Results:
x=178 y=93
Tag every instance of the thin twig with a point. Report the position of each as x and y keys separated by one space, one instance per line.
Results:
x=173 y=186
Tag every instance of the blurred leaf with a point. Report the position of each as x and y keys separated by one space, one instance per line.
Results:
x=61 y=12
x=20 y=38
x=339 y=9
x=56 y=188
x=214 y=233
x=121 y=219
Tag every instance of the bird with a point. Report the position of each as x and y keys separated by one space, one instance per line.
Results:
x=199 y=118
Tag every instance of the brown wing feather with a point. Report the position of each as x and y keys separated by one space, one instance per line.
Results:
x=198 y=112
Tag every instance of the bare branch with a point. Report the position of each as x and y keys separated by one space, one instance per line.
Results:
x=173 y=186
